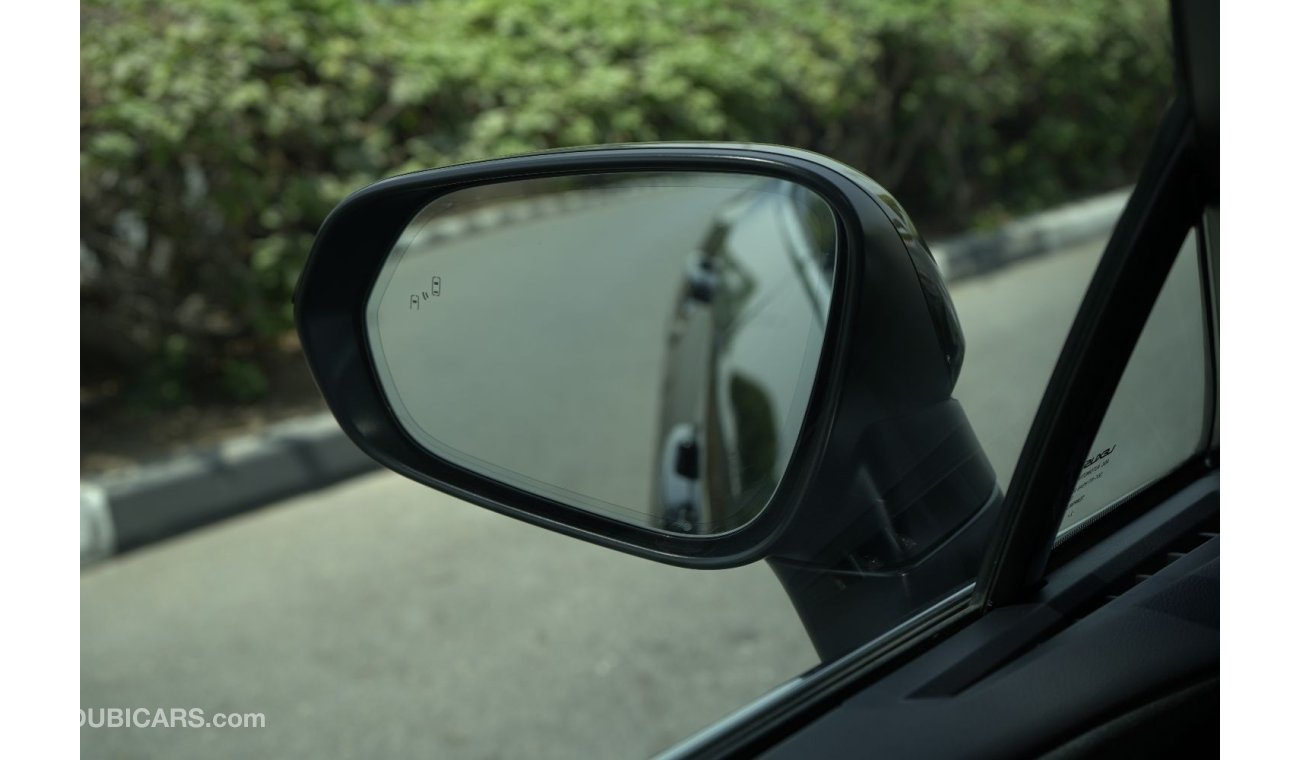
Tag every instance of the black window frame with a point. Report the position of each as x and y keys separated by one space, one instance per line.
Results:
x=1169 y=201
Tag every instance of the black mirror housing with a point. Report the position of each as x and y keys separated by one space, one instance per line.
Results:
x=882 y=446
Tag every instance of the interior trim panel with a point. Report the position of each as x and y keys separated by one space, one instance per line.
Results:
x=1112 y=639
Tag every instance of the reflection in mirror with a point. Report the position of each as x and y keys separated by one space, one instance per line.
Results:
x=639 y=345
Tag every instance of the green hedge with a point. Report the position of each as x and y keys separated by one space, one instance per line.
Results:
x=215 y=136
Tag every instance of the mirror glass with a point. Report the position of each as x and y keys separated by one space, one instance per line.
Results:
x=640 y=345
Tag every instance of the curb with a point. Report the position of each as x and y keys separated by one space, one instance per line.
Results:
x=126 y=510
x=983 y=252
x=138 y=506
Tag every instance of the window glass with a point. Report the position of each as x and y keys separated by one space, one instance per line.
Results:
x=1157 y=416
x=1015 y=320
x=377 y=617
x=1012 y=343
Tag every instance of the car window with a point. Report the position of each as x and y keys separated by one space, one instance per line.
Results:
x=1015 y=320
x=379 y=616
x=1157 y=418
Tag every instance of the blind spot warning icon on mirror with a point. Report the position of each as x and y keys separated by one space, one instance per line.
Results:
x=434 y=291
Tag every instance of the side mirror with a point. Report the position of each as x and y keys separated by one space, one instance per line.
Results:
x=699 y=354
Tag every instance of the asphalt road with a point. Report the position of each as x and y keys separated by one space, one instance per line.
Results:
x=378 y=618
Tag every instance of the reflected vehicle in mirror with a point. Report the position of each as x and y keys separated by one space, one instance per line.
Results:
x=752 y=308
